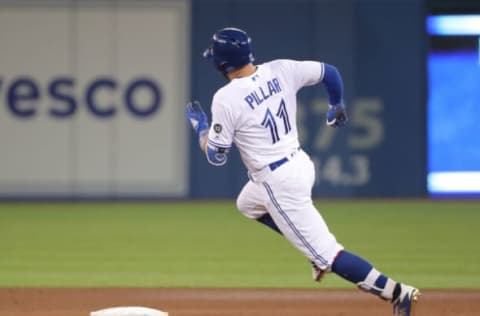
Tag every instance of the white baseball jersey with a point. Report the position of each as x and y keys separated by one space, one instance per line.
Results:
x=258 y=112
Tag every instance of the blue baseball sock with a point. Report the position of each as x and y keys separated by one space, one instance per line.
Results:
x=359 y=271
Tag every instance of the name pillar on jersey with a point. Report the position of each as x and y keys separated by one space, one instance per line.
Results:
x=256 y=97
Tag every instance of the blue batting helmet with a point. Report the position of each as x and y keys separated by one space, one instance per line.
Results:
x=231 y=49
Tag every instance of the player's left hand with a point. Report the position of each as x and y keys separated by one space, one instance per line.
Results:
x=196 y=116
x=336 y=115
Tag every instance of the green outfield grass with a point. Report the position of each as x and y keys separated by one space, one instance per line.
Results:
x=429 y=244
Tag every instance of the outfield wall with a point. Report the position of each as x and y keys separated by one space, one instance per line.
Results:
x=378 y=46
x=92 y=94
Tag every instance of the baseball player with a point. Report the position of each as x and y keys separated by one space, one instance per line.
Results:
x=256 y=111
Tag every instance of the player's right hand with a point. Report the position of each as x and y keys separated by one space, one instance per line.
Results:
x=196 y=116
x=336 y=115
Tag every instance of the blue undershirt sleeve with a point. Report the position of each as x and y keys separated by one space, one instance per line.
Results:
x=334 y=84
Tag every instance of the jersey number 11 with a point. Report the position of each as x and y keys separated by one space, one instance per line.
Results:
x=270 y=123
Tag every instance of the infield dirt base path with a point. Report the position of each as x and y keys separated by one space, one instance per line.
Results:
x=228 y=302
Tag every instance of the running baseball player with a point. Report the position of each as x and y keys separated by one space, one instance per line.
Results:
x=256 y=111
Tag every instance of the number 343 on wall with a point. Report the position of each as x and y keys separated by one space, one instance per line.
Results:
x=365 y=132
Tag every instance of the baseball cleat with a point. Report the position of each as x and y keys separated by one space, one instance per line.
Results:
x=405 y=303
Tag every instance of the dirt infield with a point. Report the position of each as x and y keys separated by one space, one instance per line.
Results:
x=227 y=302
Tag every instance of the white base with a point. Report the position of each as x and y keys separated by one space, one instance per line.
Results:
x=129 y=311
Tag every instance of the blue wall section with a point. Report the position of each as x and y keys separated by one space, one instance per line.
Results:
x=379 y=48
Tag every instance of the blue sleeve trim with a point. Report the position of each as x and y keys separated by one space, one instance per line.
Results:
x=334 y=84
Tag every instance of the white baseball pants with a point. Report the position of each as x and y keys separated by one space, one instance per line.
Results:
x=285 y=194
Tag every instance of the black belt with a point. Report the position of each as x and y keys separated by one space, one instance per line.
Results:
x=274 y=165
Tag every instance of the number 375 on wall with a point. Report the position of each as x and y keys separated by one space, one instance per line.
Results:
x=365 y=132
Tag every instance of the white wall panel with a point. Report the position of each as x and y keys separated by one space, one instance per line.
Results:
x=83 y=154
x=147 y=147
x=95 y=56
x=35 y=150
